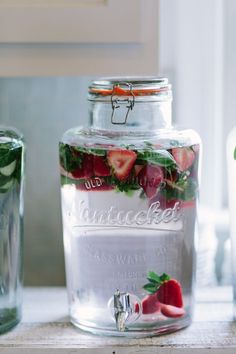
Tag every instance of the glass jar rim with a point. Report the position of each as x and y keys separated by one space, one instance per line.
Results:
x=129 y=86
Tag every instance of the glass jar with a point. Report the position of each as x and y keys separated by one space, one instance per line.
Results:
x=129 y=185
x=11 y=233
x=231 y=164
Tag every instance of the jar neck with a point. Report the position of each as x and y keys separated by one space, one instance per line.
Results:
x=143 y=116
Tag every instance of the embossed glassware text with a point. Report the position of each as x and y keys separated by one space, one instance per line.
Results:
x=114 y=216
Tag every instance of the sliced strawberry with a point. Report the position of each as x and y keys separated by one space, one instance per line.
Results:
x=149 y=178
x=86 y=170
x=122 y=162
x=170 y=293
x=78 y=173
x=88 y=165
x=100 y=167
x=137 y=169
x=184 y=157
x=150 y=304
x=172 y=311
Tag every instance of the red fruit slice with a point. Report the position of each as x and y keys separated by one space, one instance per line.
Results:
x=137 y=169
x=88 y=165
x=149 y=178
x=172 y=311
x=101 y=169
x=170 y=293
x=184 y=157
x=122 y=162
x=78 y=173
x=150 y=305
x=86 y=170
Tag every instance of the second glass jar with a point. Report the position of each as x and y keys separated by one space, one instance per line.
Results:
x=11 y=226
x=129 y=186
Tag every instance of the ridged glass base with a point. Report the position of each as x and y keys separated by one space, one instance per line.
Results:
x=138 y=332
x=9 y=318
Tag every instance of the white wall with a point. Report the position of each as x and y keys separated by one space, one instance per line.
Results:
x=192 y=54
x=43 y=108
x=229 y=80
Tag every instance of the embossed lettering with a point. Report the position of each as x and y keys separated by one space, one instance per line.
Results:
x=113 y=216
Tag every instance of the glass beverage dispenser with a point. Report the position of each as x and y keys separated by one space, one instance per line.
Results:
x=129 y=184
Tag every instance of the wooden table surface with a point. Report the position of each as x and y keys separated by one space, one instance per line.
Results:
x=45 y=328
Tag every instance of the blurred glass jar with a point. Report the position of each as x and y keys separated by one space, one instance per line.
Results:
x=11 y=226
x=231 y=162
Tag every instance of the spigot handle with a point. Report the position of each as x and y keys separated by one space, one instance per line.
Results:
x=123 y=307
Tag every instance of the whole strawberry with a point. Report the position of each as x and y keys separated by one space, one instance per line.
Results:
x=170 y=293
x=165 y=295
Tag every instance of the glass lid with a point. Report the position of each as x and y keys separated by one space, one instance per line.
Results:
x=130 y=86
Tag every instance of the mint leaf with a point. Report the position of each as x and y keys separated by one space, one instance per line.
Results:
x=150 y=288
x=128 y=146
x=67 y=180
x=4 y=179
x=70 y=160
x=130 y=192
x=9 y=153
x=159 y=157
x=128 y=186
x=88 y=150
x=155 y=282
x=164 y=277
x=189 y=190
x=235 y=153
x=183 y=189
x=153 y=277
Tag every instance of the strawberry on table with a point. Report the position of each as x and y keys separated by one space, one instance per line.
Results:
x=101 y=169
x=121 y=161
x=149 y=178
x=184 y=157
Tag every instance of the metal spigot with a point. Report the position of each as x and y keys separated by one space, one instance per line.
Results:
x=122 y=309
